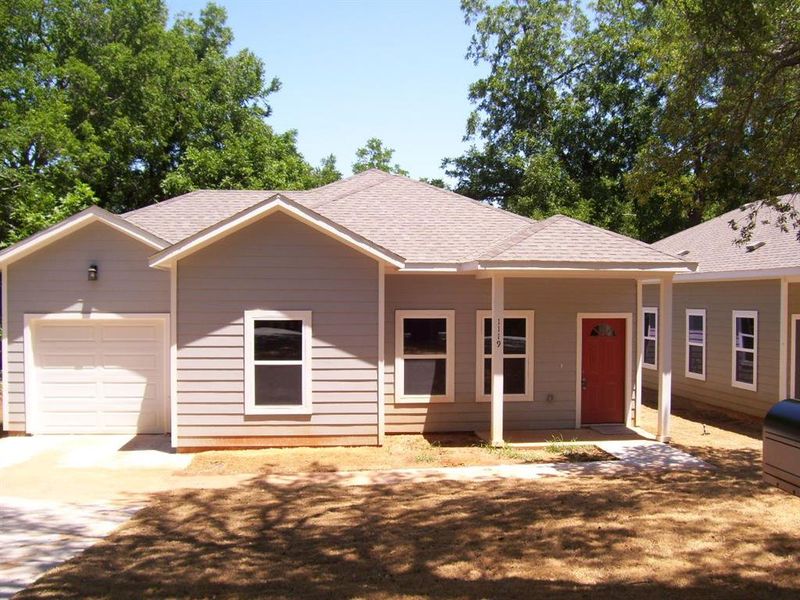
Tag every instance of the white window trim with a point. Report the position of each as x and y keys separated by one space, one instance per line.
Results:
x=652 y=366
x=696 y=312
x=399 y=360
x=480 y=355
x=250 y=407
x=747 y=314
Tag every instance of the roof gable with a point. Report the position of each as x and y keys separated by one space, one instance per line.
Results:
x=77 y=221
x=275 y=203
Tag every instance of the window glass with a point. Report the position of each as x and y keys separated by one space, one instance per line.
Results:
x=424 y=336
x=425 y=377
x=513 y=376
x=696 y=333
x=650 y=324
x=650 y=352
x=278 y=385
x=744 y=366
x=514 y=332
x=696 y=359
x=278 y=340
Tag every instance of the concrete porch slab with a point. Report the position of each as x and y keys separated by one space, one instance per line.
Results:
x=570 y=437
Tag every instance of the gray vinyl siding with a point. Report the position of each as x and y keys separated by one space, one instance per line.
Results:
x=277 y=263
x=794 y=309
x=54 y=279
x=720 y=299
x=556 y=303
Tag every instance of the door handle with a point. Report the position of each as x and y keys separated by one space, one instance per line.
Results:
x=583 y=382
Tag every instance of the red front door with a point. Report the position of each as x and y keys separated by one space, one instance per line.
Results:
x=603 y=373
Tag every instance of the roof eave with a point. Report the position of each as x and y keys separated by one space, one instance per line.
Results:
x=77 y=221
x=579 y=266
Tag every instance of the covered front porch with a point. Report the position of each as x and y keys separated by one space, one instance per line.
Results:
x=606 y=343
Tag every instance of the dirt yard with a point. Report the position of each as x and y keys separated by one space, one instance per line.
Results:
x=399 y=451
x=722 y=534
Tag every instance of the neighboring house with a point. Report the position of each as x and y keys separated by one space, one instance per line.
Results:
x=736 y=319
x=331 y=316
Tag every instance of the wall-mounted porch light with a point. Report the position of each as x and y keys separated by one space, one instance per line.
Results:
x=92 y=272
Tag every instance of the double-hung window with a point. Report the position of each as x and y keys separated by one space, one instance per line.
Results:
x=277 y=362
x=517 y=355
x=424 y=355
x=696 y=343
x=650 y=335
x=744 y=359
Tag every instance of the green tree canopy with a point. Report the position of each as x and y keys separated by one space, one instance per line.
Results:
x=101 y=102
x=639 y=116
x=374 y=155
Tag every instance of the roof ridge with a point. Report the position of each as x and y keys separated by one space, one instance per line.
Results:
x=355 y=191
x=619 y=236
x=161 y=203
x=512 y=239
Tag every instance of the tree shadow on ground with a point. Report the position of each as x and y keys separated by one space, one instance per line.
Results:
x=641 y=536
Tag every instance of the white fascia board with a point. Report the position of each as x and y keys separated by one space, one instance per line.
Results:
x=71 y=224
x=269 y=206
x=740 y=275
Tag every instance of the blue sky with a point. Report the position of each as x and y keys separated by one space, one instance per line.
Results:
x=393 y=69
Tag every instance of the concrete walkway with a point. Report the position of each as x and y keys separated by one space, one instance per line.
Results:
x=632 y=455
x=61 y=494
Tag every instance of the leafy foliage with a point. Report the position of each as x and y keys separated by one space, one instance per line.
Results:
x=374 y=155
x=638 y=116
x=101 y=103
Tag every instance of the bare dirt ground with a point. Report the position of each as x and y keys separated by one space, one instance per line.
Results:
x=399 y=451
x=721 y=534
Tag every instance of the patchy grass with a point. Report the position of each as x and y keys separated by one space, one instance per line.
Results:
x=399 y=451
x=690 y=535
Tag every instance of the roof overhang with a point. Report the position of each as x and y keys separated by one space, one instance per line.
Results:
x=271 y=205
x=93 y=214
x=531 y=268
x=739 y=275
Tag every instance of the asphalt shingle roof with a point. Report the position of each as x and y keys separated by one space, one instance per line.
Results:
x=713 y=244
x=420 y=222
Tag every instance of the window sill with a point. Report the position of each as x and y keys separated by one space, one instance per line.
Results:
x=650 y=367
x=423 y=399
x=750 y=387
x=266 y=411
x=514 y=398
x=695 y=376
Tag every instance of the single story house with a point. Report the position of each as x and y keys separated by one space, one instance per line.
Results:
x=333 y=316
x=736 y=319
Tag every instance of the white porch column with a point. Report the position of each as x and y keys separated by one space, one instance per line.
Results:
x=664 y=358
x=498 y=302
x=783 y=347
x=637 y=406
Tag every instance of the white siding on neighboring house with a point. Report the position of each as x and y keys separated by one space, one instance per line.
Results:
x=719 y=300
x=277 y=264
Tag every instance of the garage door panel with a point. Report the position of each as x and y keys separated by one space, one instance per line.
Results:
x=64 y=332
x=130 y=333
x=108 y=378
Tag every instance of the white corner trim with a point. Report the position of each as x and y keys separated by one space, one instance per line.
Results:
x=480 y=317
x=629 y=375
x=29 y=361
x=695 y=312
x=793 y=352
x=783 y=339
x=173 y=355
x=399 y=360
x=277 y=203
x=4 y=341
x=752 y=314
x=654 y=311
x=78 y=221
x=250 y=407
x=381 y=353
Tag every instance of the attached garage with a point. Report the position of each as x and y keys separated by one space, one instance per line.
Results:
x=97 y=375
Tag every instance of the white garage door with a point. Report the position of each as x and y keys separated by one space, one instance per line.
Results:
x=97 y=376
